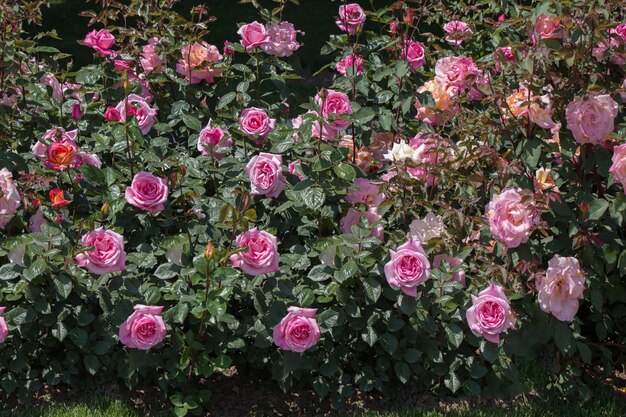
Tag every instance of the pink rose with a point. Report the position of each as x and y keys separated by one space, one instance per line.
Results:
x=294 y=168
x=618 y=167
x=453 y=262
x=408 y=267
x=433 y=153
x=524 y=105
x=266 y=174
x=9 y=197
x=86 y=158
x=550 y=27
x=36 y=220
x=592 y=119
x=61 y=152
x=281 y=40
x=196 y=64
x=151 y=60
x=227 y=49
x=512 y=215
x=445 y=98
x=121 y=65
x=144 y=328
x=213 y=142
x=255 y=122
x=457 y=32
x=112 y=115
x=147 y=192
x=490 y=313
x=414 y=53
x=100 y=40
x=261 y=257
x=77 y=113
x=253 y=35
x=351 y=18
x=351 y=61
x=561 y=288
x=4 y=330
x=457 y=72
x=334 y=103
x=139 y=108
x=365 y=192
x=107 y=255
x=297 y=331
x=353 y=217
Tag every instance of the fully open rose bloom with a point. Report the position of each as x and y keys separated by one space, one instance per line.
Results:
x=408 y=267
x=490 y=313
x=107 y=255
x=334 y=103
x=617 y=37
x=592 y=119
x=147 y=192
x=297 y=331
x=413 y=53
x=253 y=35
x=561 y=288
x=101 y=41
x=353 y=217
x=445 y=98
x=261 y=257
x=151 y=59
x=351 y=61
x=457 y=72
x=266 y=174
x=351 y=18
x=139 y=108
x=618 y=167
x=213 y=142
x=196 y=62
x=144 y=328
x=255 y=122
x=60 y=153
x=524 y=105
x=9 y=197
x=428 y=228
x=365 y=192
x=4 y=330
x=281 y=40
x=457 y=32
x=512 y=215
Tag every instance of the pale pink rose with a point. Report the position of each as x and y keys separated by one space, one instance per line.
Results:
x=433 y=153
x=281 y=40
x=457 y=32
x=524 y=105
x=61 y=152
x=151 y=59
x=512 y=215
x=294 y=168
x=107 y=255
x=51 y=81
x=86 y=158
x=561 y=288
x=297 y=331
x=408 y=267
x=196 y=62
x=10 y=100
x=353 y=217
x=36 y=220
x=456 y=72
x=365 y=192
x=261 y=257
x=266 y=175
x=4 y=330
x=351 y=61
x=334 y=103
x=592 y=119
x=453 y=262
x=253 y=35
x=9 y=197
x=445 y=98
x=147 y=192
x=139 y=108
x=414 y=53
x=144 y=328
x=550 y=27
x=213 y=142
x=490 y=313
x=618 y=167
x=351 y=18
x=101 y=40
x=255 y=122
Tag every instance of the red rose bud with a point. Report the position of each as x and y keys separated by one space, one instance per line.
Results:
x=77 y=113
x=57 y=198
x=36 y=202
x=112 y=115
x=501 y=18
x=227 y=50
x=584 y=206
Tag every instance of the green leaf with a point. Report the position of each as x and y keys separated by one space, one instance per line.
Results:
x=403 y=372
x=225 y=100
x=389 y=342
x=454 y=334
x=597 y=207
x=320 y=273
x=9 y=271
x=369 y=336
x=63 y=285
x=373 y=289
x=345 y=171
x=452 y=382
x=489 y=351
x=166 y=271
x=92 y=364
x=313 y=197
x=192 y=122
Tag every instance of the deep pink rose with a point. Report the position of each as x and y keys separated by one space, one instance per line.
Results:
x=213 y=142
x=353 y=217
x=100 y=40
x=138 y=108
x=490 y=313
x=561 y=288
x=9 y=197
x=4 y=330
x=255 y=122
x=227 y=49
x=365 y=192
x=351 y=18
x=281 y=40
x=334 y=103
x=261 y=257
x=618 y=167
x=196 y=62
x=592 y=119
x=253 y=35
x=457 y=32
x=351 y=61
x=512 y=215
x=112 y=115
x=147 y=192
x=414 y=53
x=297 y=331
x=122 y=65
x=107 y=255
x=77 y=113
x=408 y=267
x=144 y=328
x=453 y=262
x=266 y=175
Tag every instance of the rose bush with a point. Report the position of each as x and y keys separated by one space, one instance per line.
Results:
x=450 y=205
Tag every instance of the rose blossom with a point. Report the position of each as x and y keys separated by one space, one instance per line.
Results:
x=550 y=27
x=77 y=113
x=457 y=72
x=57 y=198
x=147 y=192
x=213 y=142
x=617 y=36
x=592 y=119
x=266 y=175
x=334 y=103
x=353 y=217
x=490 y=313
x=426 y=229
x=255 y=122
x=144 y=328
x=351 y=18
x=281 y=40
x=297 y=331
x=59 y=155
x=408 y=267
x=365 y=192
x=4 y=330
x=524 y=105
x=261 y=257
x=151 y=60
x=196 y=64
x=112 y=115
x=9 y=197
x=413 y=53
x=453 y=262
x=294 y=168
x=561 y=288
x=107 y=255
x=618 y=167
x=140 y=109
x=35 y=222
x=253 y=35
x=431 y=153
x=512 y=215
x=100 y=40
x=457 y=32
x=351 y=61
x=444 y=97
